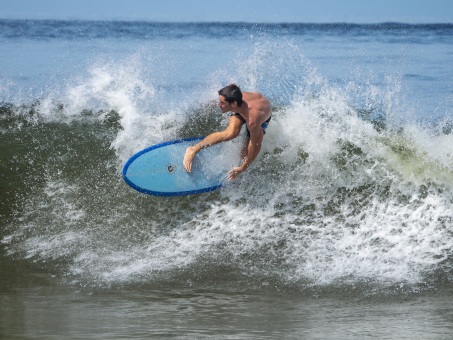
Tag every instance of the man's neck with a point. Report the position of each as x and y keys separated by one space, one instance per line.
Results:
x=243 y=110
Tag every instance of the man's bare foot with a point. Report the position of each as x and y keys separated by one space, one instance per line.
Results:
x=188 y=158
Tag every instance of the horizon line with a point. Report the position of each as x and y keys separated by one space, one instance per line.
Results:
x=231 y=22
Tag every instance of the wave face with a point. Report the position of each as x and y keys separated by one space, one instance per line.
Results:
x=349 y=189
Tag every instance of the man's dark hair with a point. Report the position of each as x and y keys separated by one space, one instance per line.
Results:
x=232 y=93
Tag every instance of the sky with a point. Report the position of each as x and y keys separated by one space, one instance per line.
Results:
x=265 y=11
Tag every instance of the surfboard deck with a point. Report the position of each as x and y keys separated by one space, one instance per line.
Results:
x=158 y=170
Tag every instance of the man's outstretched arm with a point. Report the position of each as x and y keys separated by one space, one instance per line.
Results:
x=231 y=132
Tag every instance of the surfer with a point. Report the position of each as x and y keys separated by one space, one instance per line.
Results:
x=251 y=108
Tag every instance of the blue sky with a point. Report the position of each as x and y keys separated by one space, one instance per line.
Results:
x=355 y=11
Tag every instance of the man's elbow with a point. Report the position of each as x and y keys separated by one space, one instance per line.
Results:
x=230 y=135
x=256 y=135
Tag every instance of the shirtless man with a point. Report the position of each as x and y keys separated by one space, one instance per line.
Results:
x=251 y=108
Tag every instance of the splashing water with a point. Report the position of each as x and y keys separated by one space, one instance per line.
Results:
x=343 y=191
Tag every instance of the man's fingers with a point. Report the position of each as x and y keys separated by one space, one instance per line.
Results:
x=232 y=174
x=188 y=167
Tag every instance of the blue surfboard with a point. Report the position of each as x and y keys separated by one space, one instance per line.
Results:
x=158 y=170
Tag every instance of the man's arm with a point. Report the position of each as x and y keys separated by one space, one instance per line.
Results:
x=231 y=132
x=253 y=149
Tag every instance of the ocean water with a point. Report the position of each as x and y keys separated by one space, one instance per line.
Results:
x=342 y=228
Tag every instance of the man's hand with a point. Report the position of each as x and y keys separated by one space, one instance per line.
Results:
x=233 y=173
x=188 y=158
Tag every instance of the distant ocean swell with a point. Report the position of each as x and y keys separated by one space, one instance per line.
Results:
x=83 y=30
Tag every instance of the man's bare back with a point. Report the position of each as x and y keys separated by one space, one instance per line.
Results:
x=258 y=107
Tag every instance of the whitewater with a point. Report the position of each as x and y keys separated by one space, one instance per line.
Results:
x=350 y=198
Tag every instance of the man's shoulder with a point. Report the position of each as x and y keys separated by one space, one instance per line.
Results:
x=253 y=96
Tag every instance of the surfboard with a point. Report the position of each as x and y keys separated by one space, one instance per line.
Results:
x=158 y=170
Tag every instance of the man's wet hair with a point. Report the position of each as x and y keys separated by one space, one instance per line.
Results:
x=232 y=93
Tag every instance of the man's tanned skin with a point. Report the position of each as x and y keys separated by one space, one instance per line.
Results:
x=251 y=108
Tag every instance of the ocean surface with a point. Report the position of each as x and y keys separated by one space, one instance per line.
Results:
x=341 y=229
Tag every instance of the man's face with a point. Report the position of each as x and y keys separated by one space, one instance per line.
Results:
x=224 y=105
